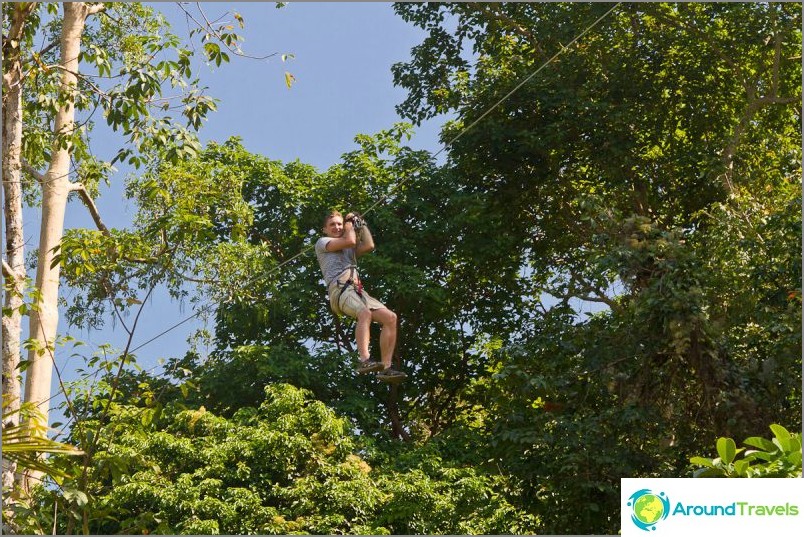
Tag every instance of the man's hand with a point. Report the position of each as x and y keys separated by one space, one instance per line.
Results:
x=356 y=220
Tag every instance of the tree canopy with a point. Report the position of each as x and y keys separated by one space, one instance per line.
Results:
x=601 y=280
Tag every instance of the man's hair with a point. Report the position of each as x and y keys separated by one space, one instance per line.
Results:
x=333 y=213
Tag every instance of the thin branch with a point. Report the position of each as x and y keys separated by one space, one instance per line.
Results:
x=81 y=76
x=105 y=413
x=581 y=289
x=90 y=203
x=195 y=280
x=155 y=101
x=207 y=27
x=50 y=46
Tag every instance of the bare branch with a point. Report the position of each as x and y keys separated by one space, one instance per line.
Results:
x=90 y=203
x=82 y=76
x=601 y=299
x=578 y=287
x=209 y=28
x=36 y=55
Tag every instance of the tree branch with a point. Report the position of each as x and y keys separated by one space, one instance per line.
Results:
x=47 y=48
x=207 y=27
x=195 y=280
x=601 y=299
x=8 y=272
x=33 y=172
x=581 y=289
x=90 y=203
x=730 y=150
x=754 y=102
x=92 y=9
x=93 y=210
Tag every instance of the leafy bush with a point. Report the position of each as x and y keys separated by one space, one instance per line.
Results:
x=777 y=457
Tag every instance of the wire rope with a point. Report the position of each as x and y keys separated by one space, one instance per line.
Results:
x=463 y=131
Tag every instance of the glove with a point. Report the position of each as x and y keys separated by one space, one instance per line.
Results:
x=357 y=222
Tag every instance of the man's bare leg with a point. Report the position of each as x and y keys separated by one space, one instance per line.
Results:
x=362 y=333
x=387 y=319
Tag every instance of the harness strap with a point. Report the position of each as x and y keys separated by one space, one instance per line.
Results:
x=351 y=281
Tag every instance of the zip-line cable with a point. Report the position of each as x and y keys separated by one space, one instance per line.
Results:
x=399 y=183
x=406 y=179
x=500 y=101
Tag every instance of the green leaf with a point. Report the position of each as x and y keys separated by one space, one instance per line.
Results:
x=741 y=467
x=762 y=443
x=727 y=449
x=709 y=472
x=75 y=496
x=782 y=434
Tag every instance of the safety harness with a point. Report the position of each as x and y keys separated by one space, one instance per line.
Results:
x=355 y=281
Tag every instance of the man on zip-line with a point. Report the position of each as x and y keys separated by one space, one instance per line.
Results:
x=346 y=240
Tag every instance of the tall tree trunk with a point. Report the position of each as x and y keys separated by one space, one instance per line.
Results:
x=14 y=253
x=55 y=190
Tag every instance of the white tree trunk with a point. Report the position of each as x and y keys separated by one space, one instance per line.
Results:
x=14 y=253
x=55 y=190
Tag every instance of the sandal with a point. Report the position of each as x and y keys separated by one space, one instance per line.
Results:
x=391 y=376
x=367 y=366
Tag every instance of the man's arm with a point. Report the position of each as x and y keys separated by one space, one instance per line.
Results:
x=366 y=242
x=347 y=240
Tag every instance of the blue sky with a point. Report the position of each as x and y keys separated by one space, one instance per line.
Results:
x=342 y=65
x=343 y=53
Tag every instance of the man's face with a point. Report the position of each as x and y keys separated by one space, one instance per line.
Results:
x=334 y=227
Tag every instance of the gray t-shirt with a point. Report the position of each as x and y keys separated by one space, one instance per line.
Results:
x=333 y=263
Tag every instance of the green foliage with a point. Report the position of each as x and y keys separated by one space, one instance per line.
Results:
x=190 y=230
x=26 y=446
x=649 y=171
x=130 y=65
x=289 y=466
x=646 y=173
x=778 y=457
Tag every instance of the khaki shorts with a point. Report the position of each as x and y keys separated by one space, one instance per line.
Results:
x=350 y=303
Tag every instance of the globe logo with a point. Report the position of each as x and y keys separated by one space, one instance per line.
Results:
x=648 y=508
